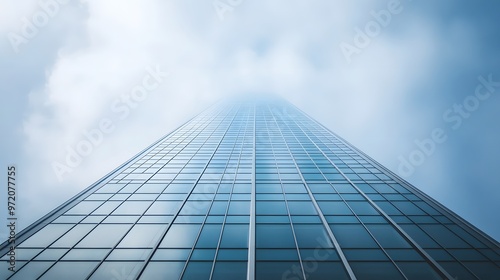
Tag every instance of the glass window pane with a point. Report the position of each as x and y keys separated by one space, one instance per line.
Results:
x=457 y=270
x=230 y=270
x=143 y=236
x=209 y=237
x=86 y=254
x=195 y=207
x=46 y=235
x=365 y=255
x=164 y=208
x=162 y=270
x=274 y=236
x=68 y=219
x=466 y=236
x=298 y=196
x=278 y=270
x=128 y=254
x=215 y=219
x=239 y=208
x=171 y=254
x=277 y=254
x=321 y=188
x=388 y=237
x=467 y=255
x=156 y=219
x=388 y=208
x=408 y=208
x=181 y=236
x=106 y=208
x=312 y=236
x=375 y=270
x=32 y=270
x=50 y=254
x=73 y=236
x=203 y=255
x=238 y=219
x=84 y=208
x=319 y=254
x=420 y=236
x=97 y=196
x=130 y=188
x=444 y=236
x=235 y=236
x=268 y=188
x=132 y=208
x=269 y=196
x=22 y=254
x=345 y=188
x=178 y=188
x=70 y=270
x=151 y=188
x=404 y=255
x=306 y=219
x=110 y=188
x=120 y=197
x=104 y=235
x=325 y=270
x=334 y=208
x=301 y=208
x=198 y=270
x=353 y=236
x=294 y=188
x=418 y=270
x=117 y=270
x=383 y=188
x=271 y=208
x=242 y=188
x=93 y=219
x=362 y=208
x=219 y=208
x=232 y=255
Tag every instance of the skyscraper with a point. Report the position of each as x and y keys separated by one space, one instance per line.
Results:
x=252 y=189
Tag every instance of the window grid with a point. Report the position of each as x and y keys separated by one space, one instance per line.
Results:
x=209 y=200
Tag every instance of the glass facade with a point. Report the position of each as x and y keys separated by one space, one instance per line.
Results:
x=252 y=189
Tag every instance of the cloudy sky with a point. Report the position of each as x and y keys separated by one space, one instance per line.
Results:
x=411 y=83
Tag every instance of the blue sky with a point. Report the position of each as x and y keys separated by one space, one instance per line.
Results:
x=385 y=75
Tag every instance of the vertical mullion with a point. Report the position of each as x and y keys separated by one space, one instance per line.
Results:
x=320 y=213
x=148 y=259
x=423 y=253
x=156 y=199
x=251 y=228
x=283 y=192
x=235 y=146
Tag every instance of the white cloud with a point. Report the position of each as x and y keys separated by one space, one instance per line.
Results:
x=121 y=40
x=12 y=12
x=285 y=47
